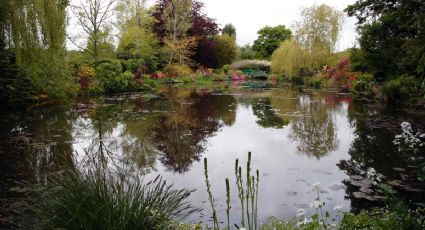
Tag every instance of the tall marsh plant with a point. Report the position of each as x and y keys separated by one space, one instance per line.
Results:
x=247 y=194
x=102 y=201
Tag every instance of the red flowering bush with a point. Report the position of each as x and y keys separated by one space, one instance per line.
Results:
x=340 y=73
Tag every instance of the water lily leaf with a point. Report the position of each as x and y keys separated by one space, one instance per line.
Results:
x=366 y=190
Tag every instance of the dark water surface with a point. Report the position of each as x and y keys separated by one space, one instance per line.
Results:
x=296 y=139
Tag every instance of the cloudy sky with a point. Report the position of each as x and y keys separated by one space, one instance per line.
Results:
x=248 y=16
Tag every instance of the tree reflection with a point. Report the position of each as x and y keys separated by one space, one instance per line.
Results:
x=314 y=129
x=267 y=117
x=181 y=135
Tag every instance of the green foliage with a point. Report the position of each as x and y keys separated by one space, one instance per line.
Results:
x=112 y=79
x=396 y=216
x=318 y=32
x=247 y=53
x=230 y=30
x=16 y=89
x=392 y=37
x=362 y=86
x=400 y=89
x=248 y=195
x=316 y=82
x=133 y=65
x=226 y=49
x=269 y=39
x=288 y=59
x=99 y=201
x=297 y=80
x=178 y=70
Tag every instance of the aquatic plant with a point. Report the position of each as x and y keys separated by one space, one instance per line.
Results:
x=103 y=201
x=248 y=196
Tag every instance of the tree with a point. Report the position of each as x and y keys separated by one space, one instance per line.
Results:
x=34 y=30
x=226 y=49
x=230 y=30
x=202 y=27
x=318 y=32
x=288 y=58
x=247 y=53
x=93 y=17
x=177 y=22
x=269 y=39
x=136 y=39
x=392 y=36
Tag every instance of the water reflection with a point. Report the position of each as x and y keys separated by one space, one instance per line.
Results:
x=297 y=138
x=314 y=129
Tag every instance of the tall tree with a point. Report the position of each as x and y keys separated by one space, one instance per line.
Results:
x=177 y=22
x=93 y=17
x=202 y=27
x=392 y=36
x=318 y=32
x=227 y=49
x=35 y=31
x=269 y=39
x=136 y=39
x=230 y=30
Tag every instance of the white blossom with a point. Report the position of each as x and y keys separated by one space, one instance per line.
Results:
x=338 y=207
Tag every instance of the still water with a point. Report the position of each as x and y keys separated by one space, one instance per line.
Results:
x=296 y=137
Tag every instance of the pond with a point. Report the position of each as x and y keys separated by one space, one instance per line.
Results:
x=296 y=136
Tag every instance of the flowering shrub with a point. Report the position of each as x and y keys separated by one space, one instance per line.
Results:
x=362 y=86
x=340 y=73
x=413 y=145
x=84 y=74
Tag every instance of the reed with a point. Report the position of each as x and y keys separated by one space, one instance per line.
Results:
x=99 y=201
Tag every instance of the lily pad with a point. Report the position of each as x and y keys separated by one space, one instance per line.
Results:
x=366 y=190
x=336 y=187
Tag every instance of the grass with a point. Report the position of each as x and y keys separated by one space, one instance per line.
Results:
x=99 y=201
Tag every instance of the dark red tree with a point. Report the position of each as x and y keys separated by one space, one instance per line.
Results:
x=202 y=27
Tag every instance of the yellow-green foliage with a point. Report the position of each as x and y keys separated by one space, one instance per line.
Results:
x=176 y=70
x=288 y=59
x=227 y=49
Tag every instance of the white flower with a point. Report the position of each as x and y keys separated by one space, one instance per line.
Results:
x=316 y=204
x=305 y=221
x=371 y=172
x=338 y=207
x=242 y=229
x=316 y=186
x=300 y=210
x=301 y=214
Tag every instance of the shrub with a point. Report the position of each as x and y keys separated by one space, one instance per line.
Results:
x=85 y=73
x=297 y=80
x=400 y=89
x=108 y=73
x=176 y=70
x=362 y=86
x=16 y=88
x=133 y=65
x=99 y=201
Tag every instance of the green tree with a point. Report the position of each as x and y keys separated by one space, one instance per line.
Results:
x=392 y=36
x=269 y=39
x=318 y=33
x=247 y=53
x=230 y=30
x=227 y=49
x=136 y=39
x=288 y=58
x=93 y=17
x=35 y=31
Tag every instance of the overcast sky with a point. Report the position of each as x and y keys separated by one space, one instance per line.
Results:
x=248 y=16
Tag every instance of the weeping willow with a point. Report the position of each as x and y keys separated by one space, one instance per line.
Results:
x=35 y=31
